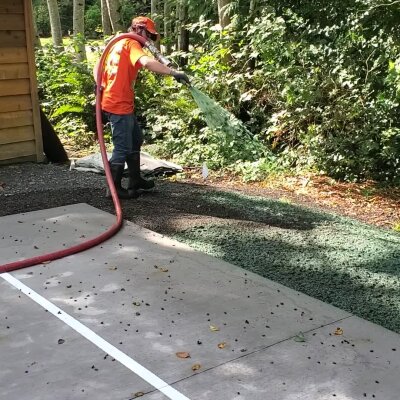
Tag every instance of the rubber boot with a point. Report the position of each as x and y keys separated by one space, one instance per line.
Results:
x=116 y=172
x=136 y=182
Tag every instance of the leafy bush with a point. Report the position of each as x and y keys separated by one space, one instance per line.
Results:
x=319 y=93
x=324 y=98
x=66 y=94
x=335 y=102
x=93 y=20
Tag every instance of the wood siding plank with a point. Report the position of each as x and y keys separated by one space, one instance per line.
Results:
x=12 y=22
x=15 y=103
x=14 y=86
x=17 y=134
x=16 y=150
x=14 y=71
x=37 y=126
x=11 y=6
x=12 y=39
x=11 y=55
x=16 y=118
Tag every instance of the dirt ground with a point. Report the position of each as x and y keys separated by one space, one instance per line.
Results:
x=176 y=203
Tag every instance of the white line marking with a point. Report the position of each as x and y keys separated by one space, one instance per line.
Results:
x=111 y=350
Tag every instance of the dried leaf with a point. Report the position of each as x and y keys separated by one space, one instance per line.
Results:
x=136 y=303
x=138 y=394
x=222 y=345
x=338 y=332
x=46 y=262
x=300 y=337
x=162 y=269
x=113 y=268
x=214 y=328
x=195 y=367
x=183 y=354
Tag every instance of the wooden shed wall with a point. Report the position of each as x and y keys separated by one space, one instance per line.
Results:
x=20 y=132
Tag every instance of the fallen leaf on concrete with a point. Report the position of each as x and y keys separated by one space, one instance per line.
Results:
x=113 y=268
x=222 y=345
x=183 y=354
x=338 y=332
x=195 y=367
x=138 y=394
x=162 y=269
x=136 y=303
x=299 y=337
x=214 y=328
x=46 y=262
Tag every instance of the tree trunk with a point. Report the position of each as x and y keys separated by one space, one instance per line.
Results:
x=252 y=8
x=155 y=17
x=37 y=43
x=113 y=13
x=252 y=11
x=105 y=19
x=154 y=10
x=55 y=24
x=223 y=16
x=167 y=26
x=79 y=29
x=183 y=37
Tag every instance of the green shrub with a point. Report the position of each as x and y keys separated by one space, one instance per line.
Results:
x=319 y=93
x=66 y=94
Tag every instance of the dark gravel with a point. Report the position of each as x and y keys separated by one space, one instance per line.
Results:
x=338 y=260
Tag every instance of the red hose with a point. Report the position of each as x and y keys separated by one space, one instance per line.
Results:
x=28 y=262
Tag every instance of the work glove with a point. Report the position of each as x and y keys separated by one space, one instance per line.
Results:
x=181 y=77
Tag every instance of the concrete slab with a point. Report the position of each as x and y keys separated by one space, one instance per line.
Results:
x=42 y=358
x=359 y=364
x=152 y=297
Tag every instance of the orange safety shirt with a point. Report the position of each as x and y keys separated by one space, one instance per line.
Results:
x=120 y=71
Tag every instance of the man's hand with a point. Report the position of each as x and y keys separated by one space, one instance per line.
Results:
x=181 y=77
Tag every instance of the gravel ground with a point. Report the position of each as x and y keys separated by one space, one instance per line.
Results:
x=338 y=260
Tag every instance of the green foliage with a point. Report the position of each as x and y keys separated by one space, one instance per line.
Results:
x=66 y=94
x=41 y=15
x=128 y=9
x=317 y=85
x=93 y=20
x=334 y=102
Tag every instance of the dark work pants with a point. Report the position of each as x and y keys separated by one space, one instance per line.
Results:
x=127 y=136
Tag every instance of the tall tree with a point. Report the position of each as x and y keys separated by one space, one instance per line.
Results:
x=79 y=29
x=183 y=33
x=55 y=24
x=105 y=19
x=252 y=7
x=155 y=16
x=167 y=26
x=35 y=31
x=223 y=15
x=114 y=15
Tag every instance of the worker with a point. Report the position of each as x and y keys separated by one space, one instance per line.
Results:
x=125 y=59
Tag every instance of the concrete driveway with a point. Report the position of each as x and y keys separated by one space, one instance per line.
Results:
x=145 y=316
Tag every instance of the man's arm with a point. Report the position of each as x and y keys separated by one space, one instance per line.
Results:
x=155 y=66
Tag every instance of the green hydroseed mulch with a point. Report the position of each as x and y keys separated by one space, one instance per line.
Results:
x=340 y=261
x=217 y=118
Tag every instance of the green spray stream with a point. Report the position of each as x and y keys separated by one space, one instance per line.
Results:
x=227 y=132
x=234 y=141
x=218 y=119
